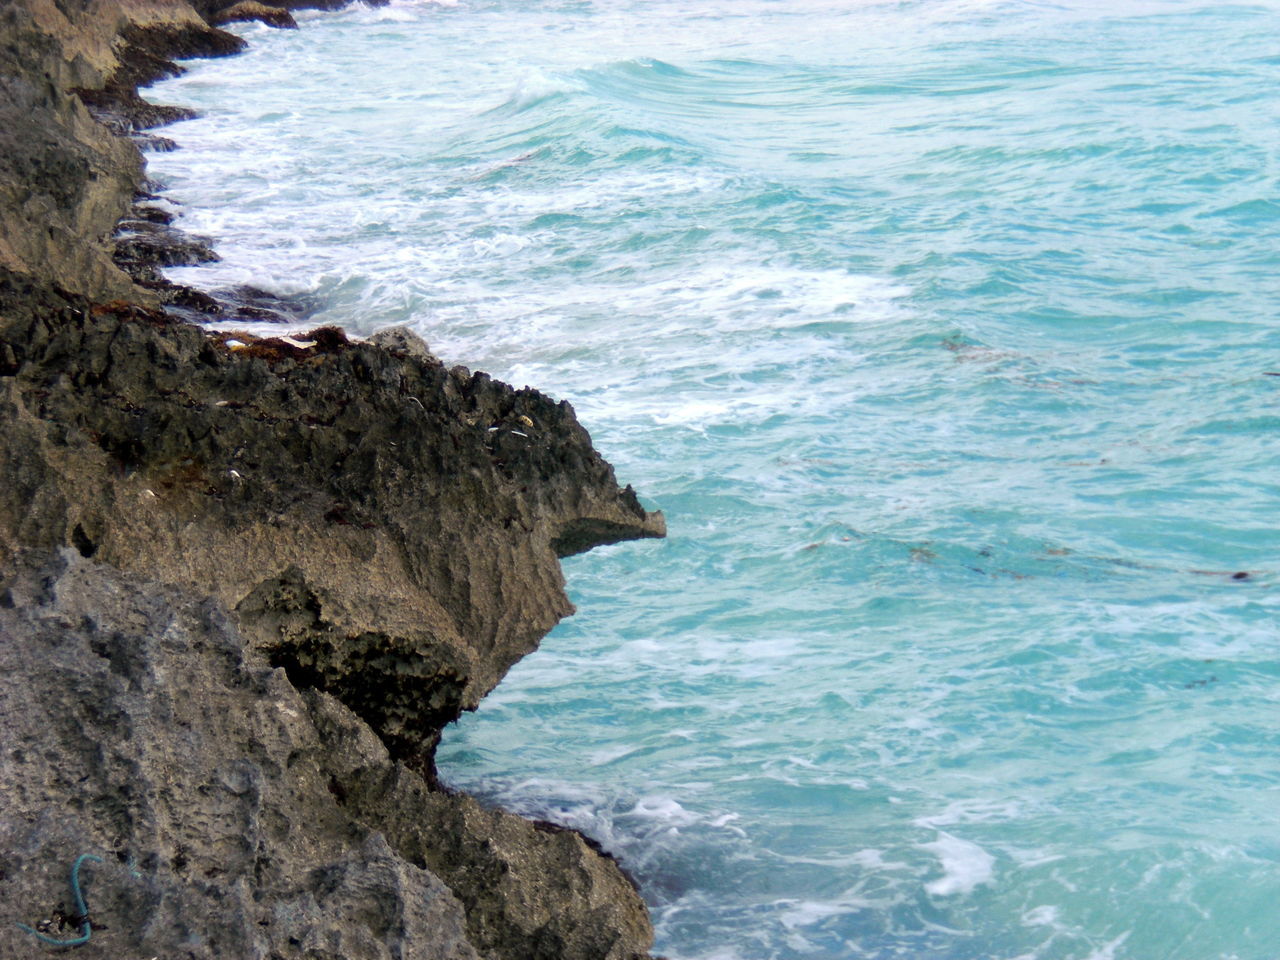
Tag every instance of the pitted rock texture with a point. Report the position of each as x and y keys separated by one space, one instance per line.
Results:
x=244 y=583
x=65 y=178
x=237 y=816
x=514 y=872
x=138 y=728
x=388 y=530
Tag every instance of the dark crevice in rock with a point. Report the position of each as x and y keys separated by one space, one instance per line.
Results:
x=405 y=690
x=81 y=541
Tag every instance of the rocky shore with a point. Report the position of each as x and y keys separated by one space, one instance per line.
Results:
x=244 y=583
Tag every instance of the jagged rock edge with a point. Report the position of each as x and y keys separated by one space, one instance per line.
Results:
x=567 y=536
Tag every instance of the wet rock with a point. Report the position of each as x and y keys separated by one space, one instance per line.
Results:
x=141 y=244
x=70 y=71
x=184 y=301
x=154 y=143
x=151 y=214
x=143 y=247
x=243 y=302
x=245 y=10
x=402 y=340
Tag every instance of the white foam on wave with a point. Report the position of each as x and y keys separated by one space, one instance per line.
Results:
x=599 y=191
x=752 y=339
x=641 y=829
x=1028 y=858
x=665 y=813
x=701 y=413
x=396 y=11
x=868 y=858
x=746 y=298
x=609 y=754
x=1044 y=916
x=803 y=913
x=499 y=245
x=1108 y=950
x=535 y=85
x=965 y=866
x=971 y=811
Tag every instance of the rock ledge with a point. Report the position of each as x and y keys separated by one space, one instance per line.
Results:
x=245 y=582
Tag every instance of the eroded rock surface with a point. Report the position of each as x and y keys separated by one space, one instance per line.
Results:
x=238 y=816
x=388 y=529
x=245 y=582
x=66 y=179
x=138 y=727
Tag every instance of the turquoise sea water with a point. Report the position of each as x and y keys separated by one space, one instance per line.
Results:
x=941 y=330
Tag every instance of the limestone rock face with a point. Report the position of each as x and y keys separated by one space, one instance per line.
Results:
x=197 y=773
x=245 y=582
x=237 y=816
x=340 y=514
x=387 y=529
x=66 y=179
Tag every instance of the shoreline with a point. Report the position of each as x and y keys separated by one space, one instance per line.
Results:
x=244 y=585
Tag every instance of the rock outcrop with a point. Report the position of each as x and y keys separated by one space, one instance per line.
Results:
x=245 y=582
x=69 y=170
x=245 y=10
x=239 y=816
x=140 y=728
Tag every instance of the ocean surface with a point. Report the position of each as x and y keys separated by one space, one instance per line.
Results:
x=947 y=335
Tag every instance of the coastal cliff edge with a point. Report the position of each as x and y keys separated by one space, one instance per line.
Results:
x=244 y=585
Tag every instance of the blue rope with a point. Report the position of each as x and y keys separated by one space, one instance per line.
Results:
x=82 y=911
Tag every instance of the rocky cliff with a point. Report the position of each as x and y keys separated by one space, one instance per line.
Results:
x=245 y=583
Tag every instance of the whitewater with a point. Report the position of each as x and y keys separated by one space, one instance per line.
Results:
x=946 y=333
